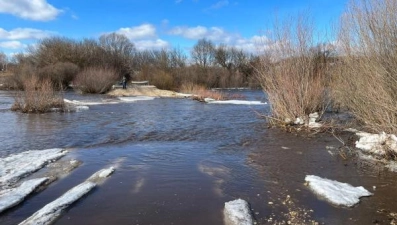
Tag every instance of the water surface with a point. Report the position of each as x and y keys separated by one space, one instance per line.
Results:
x=178 y=161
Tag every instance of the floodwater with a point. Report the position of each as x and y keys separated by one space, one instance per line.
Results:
x=178 y=161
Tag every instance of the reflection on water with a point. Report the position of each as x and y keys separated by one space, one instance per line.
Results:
x=178 y=161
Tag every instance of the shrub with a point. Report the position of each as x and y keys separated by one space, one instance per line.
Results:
x=201 y=92
x=366 y=82
x=96 y=80
x=293 y=72
x=162 y=80
x=23 y=72
x=60 y=74
x=38 y=97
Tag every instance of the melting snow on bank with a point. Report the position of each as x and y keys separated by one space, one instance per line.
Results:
x=234 y=102
x=136 y=98
x=336 y=192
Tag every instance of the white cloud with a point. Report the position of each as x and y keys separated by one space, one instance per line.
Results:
x=190 y=32
x=219 y=5
x=39 y=10
x=12 y=45
x=151 y=44
x=254 y=44
x=218 y=35
x=213 y=33
x=139 y=32
x=23 y=33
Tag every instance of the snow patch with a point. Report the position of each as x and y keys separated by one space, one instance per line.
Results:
x=299 y=121
x=183 y=95
x=50 y=212
x=336 y=192
x=13 y=196
x=136 y=98
x=376 y=144
x=312 y=120
x=392 y=166
x=237 y=212
x=86 y=103
x=14 y=167
x=234 y=102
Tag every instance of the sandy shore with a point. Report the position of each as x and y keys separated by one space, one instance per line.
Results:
x=151 y=91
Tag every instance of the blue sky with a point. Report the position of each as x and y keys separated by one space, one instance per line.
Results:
x=153 y=24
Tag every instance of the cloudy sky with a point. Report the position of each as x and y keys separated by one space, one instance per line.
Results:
x=153 y=24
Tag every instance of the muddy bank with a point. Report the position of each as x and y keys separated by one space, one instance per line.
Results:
x=284 y=159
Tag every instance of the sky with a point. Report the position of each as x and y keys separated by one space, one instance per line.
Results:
x=154 y=24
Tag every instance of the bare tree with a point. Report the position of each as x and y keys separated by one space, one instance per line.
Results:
x=3 y=61
x=203 y=53
x=120 y=51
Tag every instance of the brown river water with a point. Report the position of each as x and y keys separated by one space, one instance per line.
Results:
x=178 y=161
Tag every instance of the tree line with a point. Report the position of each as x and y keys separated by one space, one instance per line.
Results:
x=61 y=59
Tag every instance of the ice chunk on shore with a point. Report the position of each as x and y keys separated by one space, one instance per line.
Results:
x=237 y=212
x=136 y=98
x=13 y=196
x=376 y=143
x=50 y=212
x=13 y=167
x=336 y=192
x=234 y=102
x=85 y=103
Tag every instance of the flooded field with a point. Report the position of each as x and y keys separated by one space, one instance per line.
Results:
x=178 y=161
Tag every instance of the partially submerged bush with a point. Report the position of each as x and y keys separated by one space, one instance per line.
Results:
x=201 y=92
x=367 y=81
x=293 y=73
x=96 y=80
x=38 y=96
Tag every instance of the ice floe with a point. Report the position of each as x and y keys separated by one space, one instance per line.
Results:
x=237 y=212
x=53 y=210
x=12 y=196
x=14 y=167
x=100 y=175
x=337 y=193
x=50 y=212
x=136 y=98
x=80 y=108
x=377 y=144
x=234 y=102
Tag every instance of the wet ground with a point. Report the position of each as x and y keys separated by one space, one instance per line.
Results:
x=178 y=161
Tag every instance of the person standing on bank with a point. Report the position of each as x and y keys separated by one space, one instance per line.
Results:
x=124 y=82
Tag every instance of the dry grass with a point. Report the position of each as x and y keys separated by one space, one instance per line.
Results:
x=366 y=82
x=37 y=97
x=96 y=80
x=293 y=72
x=201 y=92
